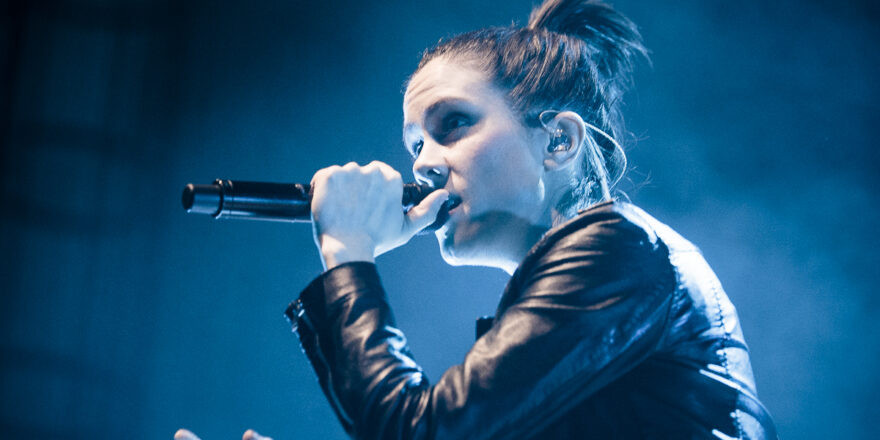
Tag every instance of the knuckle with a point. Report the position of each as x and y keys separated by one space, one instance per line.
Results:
x=375 y=167
x=329 y=171
x=393 y=176
x=334 y=173
x=320 y=175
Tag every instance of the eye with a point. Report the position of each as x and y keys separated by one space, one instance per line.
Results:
x=454 y=121
x=417 y=148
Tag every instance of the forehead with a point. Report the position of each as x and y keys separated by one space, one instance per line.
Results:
x=444 y=79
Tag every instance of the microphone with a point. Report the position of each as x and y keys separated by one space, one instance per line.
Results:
x=283 y=202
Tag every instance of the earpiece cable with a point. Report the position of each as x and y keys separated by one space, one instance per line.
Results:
x=595 y=155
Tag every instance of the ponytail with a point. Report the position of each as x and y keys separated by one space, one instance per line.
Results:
x=613 y=41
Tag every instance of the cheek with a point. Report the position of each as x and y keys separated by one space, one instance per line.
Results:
x=504 y=172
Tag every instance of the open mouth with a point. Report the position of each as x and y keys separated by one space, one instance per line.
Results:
x=443 y=216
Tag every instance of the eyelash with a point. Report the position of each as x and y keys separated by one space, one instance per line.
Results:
x=446 y=129
x=417 y=148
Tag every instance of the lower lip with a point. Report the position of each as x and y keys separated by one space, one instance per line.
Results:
x=457 y=208
x=449 y=215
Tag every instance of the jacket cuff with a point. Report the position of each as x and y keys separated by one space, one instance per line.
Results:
x=331 y=286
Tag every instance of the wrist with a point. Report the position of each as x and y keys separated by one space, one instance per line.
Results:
x=336 y=250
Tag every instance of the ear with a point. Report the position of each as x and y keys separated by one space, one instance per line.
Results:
x=565 y=154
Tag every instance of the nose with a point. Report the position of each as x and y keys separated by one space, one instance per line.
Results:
x=430 y=168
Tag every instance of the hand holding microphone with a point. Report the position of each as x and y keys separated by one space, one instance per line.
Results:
x=292 y=202
x=357 y=213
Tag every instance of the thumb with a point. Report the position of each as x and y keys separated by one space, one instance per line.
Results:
x=422 y=215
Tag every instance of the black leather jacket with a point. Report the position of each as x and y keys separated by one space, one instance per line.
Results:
x=613 y=326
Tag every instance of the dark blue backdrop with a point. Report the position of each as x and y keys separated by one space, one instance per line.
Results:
x=124 y=318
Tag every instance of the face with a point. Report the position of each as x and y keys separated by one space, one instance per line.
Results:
x=465 y=138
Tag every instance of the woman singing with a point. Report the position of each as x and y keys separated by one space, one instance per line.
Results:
x=612 y=325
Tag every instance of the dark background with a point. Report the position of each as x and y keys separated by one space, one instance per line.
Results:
x=122 y=317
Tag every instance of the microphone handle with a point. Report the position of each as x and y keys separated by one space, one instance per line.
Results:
x=284 y=202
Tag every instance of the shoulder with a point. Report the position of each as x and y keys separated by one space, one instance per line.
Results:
x=609 y=248
x=613 y=228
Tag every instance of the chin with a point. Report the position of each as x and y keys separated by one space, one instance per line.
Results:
x=446 y=242
x=450 y=258
x=462 y=246
x=456 y=257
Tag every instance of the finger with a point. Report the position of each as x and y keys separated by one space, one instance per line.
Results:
x=185 y=434
x=422 y=215
x=321 y=175
x=380 y=166
x=390 y=174
x=381 y=171
x=250 y=434
x=393 y=181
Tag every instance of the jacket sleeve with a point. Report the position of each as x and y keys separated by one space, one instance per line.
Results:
x=589 y=308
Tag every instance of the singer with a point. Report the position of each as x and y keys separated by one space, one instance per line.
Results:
x=612 y=325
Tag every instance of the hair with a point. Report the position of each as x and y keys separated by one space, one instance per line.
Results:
x=575 y=55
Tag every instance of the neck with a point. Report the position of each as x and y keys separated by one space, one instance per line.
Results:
x=495 y=239
x=529 y=236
